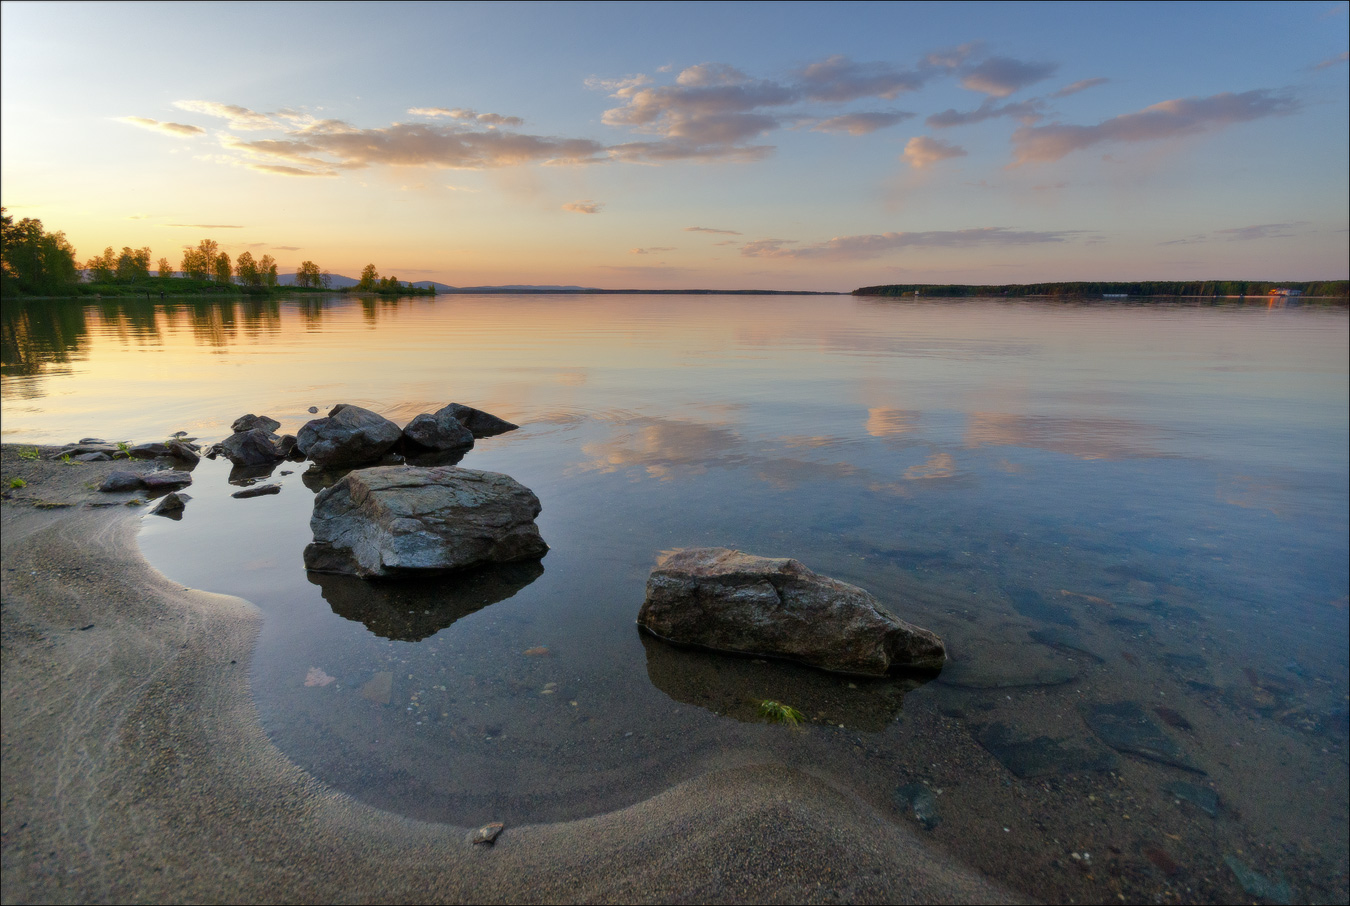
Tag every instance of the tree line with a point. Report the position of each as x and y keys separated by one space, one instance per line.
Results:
x=1202 y=289
x=36 y=262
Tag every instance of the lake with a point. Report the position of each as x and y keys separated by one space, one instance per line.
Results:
x=1128 y=522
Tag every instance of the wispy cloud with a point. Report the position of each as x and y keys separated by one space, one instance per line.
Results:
x=178 y=130
x=206 y=226
x=1244 y=233
x=462 y=113
x=1329 y=62
x=1170 y=119
x=584 y=207
x=839 y=80
x=654 y=250
x=1001 y=76
x=450 y=146
x=1080 y=85
x=711 y=230
x=1026 y=111
x=1260 y=231
x=852 y=248
x=861 y=123
x=238 y=117
x=922 y=151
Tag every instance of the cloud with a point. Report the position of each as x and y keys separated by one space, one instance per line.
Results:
x=1000 y=76
x=461 y=113
x=206 y=226
x=451 y=146
x=711 y=230
x=839 y=80
x=861 y=123
x=238 y=117
x=951 y=58
x=178 y=130
x=283 y=170
x=1027 y=111
x=852 y=248
x=922 y=151
x=1260 y=231
x=716 y=112
x=656 y=249
x=288 y=248
x=1329 y=62
x=583 y=207
x=1170 y=119
x=1080 y=85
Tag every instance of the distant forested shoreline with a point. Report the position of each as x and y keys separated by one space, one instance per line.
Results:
x=1206 y=289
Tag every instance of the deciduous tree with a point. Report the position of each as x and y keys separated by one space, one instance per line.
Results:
x=33 y=260
x=102 y=268
x=368 y=277
x=267 y=269
x=247 y=270
x=222 y=268
x=165 y=269
x=307 y=274
x=133 y=265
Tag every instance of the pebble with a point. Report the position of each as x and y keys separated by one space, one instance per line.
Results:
x=487 y=834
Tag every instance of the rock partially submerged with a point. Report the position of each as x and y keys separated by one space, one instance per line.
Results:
x=441 y=432
x=401 y=520
x=732 y=601
x=349 y=436
x=482 y=424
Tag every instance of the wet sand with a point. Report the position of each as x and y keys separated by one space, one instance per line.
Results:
x=135 y=768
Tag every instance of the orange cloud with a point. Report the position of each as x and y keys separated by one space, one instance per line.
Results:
x=583 y=207
x=922 y=151
x=1169 y=119
x=178 y=130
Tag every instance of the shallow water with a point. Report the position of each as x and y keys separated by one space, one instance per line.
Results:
x=1128 y=522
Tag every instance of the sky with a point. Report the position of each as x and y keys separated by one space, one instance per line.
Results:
x=806 y=146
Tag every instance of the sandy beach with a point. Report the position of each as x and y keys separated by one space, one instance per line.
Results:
x=135 y=768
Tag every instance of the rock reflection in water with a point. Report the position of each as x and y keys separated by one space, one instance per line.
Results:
x=733 y=685
x=409 y=610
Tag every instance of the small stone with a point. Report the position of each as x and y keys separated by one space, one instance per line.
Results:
x=487 y=834
x=121 y=481
x=313 y=409
x=258 y=491
x=541 y=651
x=171 y=505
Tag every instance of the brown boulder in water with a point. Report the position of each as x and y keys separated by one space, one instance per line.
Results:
x=732 y=601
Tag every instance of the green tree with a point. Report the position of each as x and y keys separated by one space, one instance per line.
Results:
x=222 y=268
x=199 y=263
x=247 y=270
x=133 y=265
x=368 y=277
x=165 y=269
x=308 y=274
x=102 y=268
x=33 y=260
x=267 y=269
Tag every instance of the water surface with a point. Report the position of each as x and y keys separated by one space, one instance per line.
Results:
x=1104 y=509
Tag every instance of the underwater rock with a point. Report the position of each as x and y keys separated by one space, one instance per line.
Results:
x=1006 y=674
x=1041 y=756
x=405 y=520
x=1054 y=637
x=1030 y=603
x=1126 y=728
x=1258 y=885
x=919 y=801
x=1202 y=797
x=727 y=600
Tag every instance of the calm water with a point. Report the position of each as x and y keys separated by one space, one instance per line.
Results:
x=1102 y=508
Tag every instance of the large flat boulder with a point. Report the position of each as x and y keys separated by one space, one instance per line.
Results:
x=349 y=436
x=732 y=601
x=405 y=520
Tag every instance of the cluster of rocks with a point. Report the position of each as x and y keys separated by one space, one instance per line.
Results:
x=385 y=517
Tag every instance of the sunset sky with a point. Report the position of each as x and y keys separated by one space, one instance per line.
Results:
x=816 y=146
